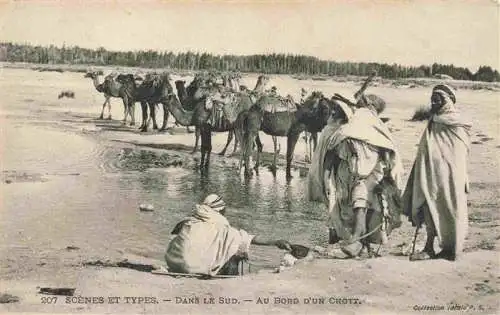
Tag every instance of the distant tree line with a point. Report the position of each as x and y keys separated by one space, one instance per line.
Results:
x=262 y=63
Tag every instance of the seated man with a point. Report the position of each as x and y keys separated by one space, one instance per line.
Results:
x=205 y=243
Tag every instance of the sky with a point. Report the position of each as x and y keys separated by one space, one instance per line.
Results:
x=409 y=32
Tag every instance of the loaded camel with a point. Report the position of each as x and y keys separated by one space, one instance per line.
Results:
x=198 y=117
x=149 y=93
x=233 y=103
x=279 y=117
x=201 y=117
x=313 y=128
x=111 y=88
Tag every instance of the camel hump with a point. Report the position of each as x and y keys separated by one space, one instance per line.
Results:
x=275 y=104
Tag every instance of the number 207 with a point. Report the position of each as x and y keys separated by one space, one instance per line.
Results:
x=49 y=300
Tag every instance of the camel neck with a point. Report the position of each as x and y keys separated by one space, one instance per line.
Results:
x=181 y=91
x=259 y=87
x=182 y=116
x=95 y=80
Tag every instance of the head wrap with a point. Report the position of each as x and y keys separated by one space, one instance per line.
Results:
x=215 y=202
x=447 y=90
x=348 y=111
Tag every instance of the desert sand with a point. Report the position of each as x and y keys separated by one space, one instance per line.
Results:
x=44 y=244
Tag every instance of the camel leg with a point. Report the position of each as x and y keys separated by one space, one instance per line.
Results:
x=248 y=138
x=196 y=138
x=202 y=148
x=259 y=151
x=152 y=114
x=275 y=144
x=229 y=139
x=131 y=110
x=235 y=149
x=247 y=149
x=293 y=137
x=209 y=147
x=144 y=109
x=309 y=148
x=103 y=106
x=125 y=110
x=109 y=109
x=165 y=118
x=239 y=138
x=306 y=140
x=206 y=146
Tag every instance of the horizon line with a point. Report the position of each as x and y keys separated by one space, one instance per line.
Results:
x=245 y=55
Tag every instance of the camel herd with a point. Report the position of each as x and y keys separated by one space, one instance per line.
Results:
x=219 y=103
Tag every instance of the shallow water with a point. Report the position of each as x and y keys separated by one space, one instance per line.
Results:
x=92 y=196
x=87 y=192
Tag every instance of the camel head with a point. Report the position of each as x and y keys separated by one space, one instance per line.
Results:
x=373 y=102
x=125 y=78
x=325 y=108
x=317 y=108
x=163 y=82
x=262 y=81
x=93 y=74
x=180 y=84
x=312 y=101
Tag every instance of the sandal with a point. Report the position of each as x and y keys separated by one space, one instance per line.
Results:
x=446 y=254
x=423 y=255
x=353 y=249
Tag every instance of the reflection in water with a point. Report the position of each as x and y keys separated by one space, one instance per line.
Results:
x=114 y=181
x=98 y=209
x=262 y=205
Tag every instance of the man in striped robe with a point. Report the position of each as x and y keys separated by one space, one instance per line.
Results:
x=354 y=159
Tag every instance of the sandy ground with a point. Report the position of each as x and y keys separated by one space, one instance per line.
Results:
x=389 y=284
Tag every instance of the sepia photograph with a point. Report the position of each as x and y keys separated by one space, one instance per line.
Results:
x=250 y=157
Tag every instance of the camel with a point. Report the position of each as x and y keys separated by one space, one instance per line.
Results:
x=111 y=88
x=149 y=93
x=231 y=81
x=233 y=103
x=200 y=118
x=205 y=116
x=236 y=102
x=311 y=139
x=280 y=117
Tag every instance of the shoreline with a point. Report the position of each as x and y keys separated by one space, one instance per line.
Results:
x=377 y=81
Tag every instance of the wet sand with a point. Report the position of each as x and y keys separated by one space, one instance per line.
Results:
x=55 y=201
